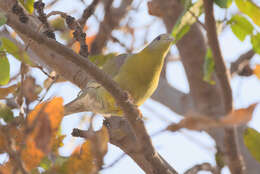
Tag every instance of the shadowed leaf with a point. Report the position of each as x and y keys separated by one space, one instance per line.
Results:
x=4 y=69
x=28 y=5
x=15 y=51
x=208 y=68
x=223 y=3
x=6 y=113
x=252 y=142
x=3 y=19
x=255 y=41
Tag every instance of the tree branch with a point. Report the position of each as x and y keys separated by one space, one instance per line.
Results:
x=174 y=99
x=235 y=160
x=111 y=20
x=220 y=68
x=121 y=135
x=238 y=65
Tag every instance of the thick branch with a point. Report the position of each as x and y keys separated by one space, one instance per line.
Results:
x=235 y=160
x=122 y=136
x=220 y=68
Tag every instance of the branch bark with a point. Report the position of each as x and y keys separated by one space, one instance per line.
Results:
x=241 y=62
x=221 y=71
x=234 y=158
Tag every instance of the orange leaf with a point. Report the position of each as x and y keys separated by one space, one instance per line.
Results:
x=43 y=123
x=31 y=155
x=7 y=168
x=237 y=117
x=89 y=41
x=240 y=116
x=257 y=71
x=53 y=109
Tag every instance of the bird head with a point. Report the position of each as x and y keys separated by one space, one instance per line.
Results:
x=161 y=43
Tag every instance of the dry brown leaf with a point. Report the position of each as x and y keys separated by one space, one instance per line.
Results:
x=30 y=89
x=194 y=123
x=7 y=168
x=238 y=117
x=5 y=91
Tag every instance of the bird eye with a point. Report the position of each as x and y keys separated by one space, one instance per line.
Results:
x=158 y=38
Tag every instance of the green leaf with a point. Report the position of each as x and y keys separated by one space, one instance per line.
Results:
x=255 y=41
x=183 y=30
x=4 y=69
x=208 y=67
x=252 y=142
x=241 y=27
x=45 y=163
x=15 y=51
x=28 y=5
x=219 y=159
x=186 y=3
x=186 y=19
x=223 y=3
x=3 y=19
x=250 y=9
x=6 y=113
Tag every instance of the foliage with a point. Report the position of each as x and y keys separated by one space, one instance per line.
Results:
x=208 y=67
x=4 y=69
x=252 y=142
x=186 y=19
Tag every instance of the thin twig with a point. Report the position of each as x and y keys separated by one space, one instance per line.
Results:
x=202 y=167
x=48 y=88
x=241 y=62
x=88 y=12
x=120 y=157
x=197 y=19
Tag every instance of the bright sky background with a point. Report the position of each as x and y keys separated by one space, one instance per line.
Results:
x=182 y=149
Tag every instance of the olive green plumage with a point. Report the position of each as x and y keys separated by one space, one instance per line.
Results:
x=137 y=73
